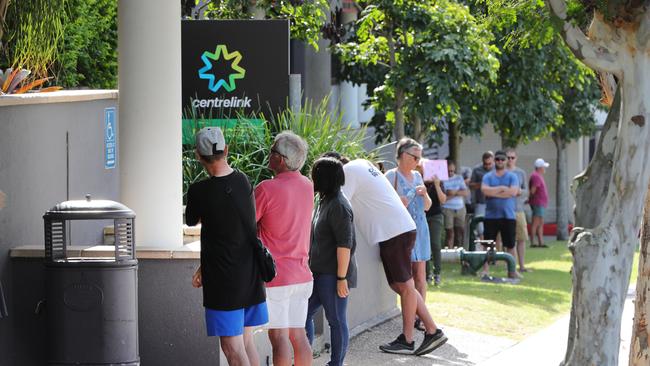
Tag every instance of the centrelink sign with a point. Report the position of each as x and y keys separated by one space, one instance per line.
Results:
x=233 y=68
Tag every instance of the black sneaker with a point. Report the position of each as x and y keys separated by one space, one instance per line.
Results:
x=431 y=342
x=399 y=345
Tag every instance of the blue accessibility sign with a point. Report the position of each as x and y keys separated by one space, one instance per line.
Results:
x=110 y=138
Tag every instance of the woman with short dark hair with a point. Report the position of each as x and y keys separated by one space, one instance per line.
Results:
x=331 y=256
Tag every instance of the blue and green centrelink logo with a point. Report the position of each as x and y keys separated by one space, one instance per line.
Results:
x=228 y=83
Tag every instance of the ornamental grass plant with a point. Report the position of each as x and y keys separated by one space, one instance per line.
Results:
x=249 y=141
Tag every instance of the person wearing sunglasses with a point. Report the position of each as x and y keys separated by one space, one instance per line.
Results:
x=284 y=207
x=409 y=184
x=500 y=188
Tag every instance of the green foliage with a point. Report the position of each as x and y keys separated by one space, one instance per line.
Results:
x=33 y=35
x=306 y=17
x=249 y=146
x=580 y=97
x=323 y=131
x=538 y=73
x=74 y=40
x=436 y=53
x=89 y=54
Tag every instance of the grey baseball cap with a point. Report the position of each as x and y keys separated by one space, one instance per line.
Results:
x=210 y=141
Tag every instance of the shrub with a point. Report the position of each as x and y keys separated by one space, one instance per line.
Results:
x=249 y=145
x=33 y=36
x=88 y=56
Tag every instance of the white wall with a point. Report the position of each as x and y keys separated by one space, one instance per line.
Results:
x=472 y=148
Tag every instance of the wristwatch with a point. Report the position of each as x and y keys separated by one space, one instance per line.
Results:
x=341 y=278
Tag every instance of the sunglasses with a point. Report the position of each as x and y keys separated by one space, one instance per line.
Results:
x=417 y=158
x=274 y=151
x=499 y=159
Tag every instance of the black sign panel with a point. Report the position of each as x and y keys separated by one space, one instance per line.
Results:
x=233 y=68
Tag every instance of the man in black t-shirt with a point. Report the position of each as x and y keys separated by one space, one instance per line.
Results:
x=233 y=291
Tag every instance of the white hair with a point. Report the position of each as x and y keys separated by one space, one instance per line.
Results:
x=293 y=147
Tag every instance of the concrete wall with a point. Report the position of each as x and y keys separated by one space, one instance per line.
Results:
x=33 y=175
x=171 y=320
x=33 y=172
x=171 y=330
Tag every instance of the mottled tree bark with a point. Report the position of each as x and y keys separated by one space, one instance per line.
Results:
x=399 y=93
x=639 y=347
x=603 y=252
x=562 y=193
x=418 y=134
x=454 y=143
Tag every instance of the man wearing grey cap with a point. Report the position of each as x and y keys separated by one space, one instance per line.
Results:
x=233 y=291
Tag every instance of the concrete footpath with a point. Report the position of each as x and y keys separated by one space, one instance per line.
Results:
x=547 y=347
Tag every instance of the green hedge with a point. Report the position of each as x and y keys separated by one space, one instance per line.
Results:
x=75 y=41
x=89 y=54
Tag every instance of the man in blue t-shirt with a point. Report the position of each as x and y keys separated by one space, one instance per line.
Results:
x=500 y=188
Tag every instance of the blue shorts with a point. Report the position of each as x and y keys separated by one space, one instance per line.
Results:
x=538 y=211
x=230 y=323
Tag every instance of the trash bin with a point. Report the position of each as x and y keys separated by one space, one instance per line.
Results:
x=91 y=302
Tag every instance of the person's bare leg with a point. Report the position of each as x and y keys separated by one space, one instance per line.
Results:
x=533 y=231
x=521 y=251
x=459 y=236
x=249 y=344
x=449 y=238
x=423 y=313
x=302 y=355
x=498 y=243
x=234 y=350
x=281 y=346
x=408 y=296
x=540 y=231
x=420 y=277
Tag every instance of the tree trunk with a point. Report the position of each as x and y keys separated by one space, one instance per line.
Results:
x=399 y=93
x=399 y=114
x=639 y=346
x=454 y=143
x=602 y=255
x=562 y=193
x=417 y=128
x=594 y=181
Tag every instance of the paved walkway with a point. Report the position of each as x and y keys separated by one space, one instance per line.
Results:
x=544 y=348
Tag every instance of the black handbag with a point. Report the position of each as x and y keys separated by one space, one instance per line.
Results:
x=265 y=261
x=263 y=258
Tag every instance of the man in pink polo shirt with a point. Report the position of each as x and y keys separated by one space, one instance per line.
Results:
x=284 y=207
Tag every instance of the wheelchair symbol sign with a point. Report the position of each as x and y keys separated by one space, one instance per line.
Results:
x=110 y=138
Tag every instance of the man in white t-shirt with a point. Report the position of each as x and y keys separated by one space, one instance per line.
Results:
x=381 y=218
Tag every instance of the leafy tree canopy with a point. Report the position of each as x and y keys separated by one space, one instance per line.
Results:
x=435 y=53
x=306 y=17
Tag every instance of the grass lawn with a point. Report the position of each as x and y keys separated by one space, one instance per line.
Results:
x=512 y=311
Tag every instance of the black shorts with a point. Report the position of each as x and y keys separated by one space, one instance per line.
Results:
x=395 y=255
x=507 y=228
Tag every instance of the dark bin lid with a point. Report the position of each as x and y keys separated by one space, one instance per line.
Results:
x=89 y=209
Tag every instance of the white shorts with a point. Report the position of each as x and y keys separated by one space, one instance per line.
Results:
x=288 y=305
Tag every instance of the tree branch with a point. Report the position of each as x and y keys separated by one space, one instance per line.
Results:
x=594 y=53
